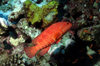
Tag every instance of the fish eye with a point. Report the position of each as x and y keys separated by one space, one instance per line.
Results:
x=67 y=23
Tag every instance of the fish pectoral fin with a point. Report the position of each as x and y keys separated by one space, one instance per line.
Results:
x=58 y=40
x=43 y=51
x=58 y=35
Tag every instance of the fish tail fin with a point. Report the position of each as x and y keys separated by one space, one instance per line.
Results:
x=30 y=51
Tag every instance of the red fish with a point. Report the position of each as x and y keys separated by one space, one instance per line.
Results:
x=47 y=38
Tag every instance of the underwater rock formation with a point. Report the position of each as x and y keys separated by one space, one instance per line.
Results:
x=5 y=5
x=97 y=39
x=29 y=31
x=17 y=49
x=15 y=15
x=64 y=42
x=17 y=10
x=14 y=60
x=3 y=57
x=86 y=34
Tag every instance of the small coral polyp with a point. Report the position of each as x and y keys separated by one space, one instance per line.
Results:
x=37 y=14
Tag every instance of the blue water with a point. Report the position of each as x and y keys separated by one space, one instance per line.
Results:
x=5 y=16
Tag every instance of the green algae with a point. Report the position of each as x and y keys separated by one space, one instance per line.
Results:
x=27 y=3
x=37 y=14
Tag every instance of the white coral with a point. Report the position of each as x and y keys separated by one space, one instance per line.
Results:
x=66 y=41
x=18 y=4
x=16 y=42
x=3 y=22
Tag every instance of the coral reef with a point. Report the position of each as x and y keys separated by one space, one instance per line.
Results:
x=5 y=6
x=85 y=34
x=29 y=31
x=34 y=13
x=8 y=7
x=17 y=11
x=15 y=15
x=4 y=56
x=14 y=60
x=17 y=49
x=21 y=21
x=16 y=42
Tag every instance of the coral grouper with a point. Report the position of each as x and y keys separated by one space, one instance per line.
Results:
x=47 y=38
